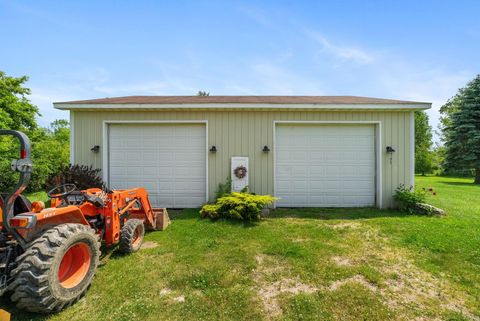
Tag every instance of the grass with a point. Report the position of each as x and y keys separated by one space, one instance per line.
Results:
x=37 y=196
x=301 y=264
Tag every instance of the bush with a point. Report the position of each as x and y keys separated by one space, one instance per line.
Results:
x=82 y=176
x=243 y=206
x=408 y=198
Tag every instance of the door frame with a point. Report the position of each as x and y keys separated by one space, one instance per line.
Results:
x=378 y=150
x=106 y=150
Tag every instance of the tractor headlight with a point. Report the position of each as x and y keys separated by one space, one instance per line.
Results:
x=23 y=221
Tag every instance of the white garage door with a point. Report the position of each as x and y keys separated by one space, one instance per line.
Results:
x=325 y=165
x=169 y=160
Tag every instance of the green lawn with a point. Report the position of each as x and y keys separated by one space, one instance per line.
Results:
x=305 y=264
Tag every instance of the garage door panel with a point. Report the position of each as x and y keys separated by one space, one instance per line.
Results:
x=164 y=172
x=364 y=170
x=324 y=185
x=169 y=160
x=295 y=200
x=325 y=165
x=165 y=156
x=291 y=172
x=195 y=186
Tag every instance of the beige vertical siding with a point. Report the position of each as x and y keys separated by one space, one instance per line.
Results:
x=244 y=133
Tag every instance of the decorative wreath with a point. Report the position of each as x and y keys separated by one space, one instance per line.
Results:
x=240 y=171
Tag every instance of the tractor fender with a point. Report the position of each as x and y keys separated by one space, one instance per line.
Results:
x=54 y=216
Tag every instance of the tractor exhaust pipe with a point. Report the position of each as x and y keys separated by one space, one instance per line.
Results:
x=23 y=165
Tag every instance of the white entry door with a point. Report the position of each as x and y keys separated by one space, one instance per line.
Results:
x=169 y=160
x=323 y=165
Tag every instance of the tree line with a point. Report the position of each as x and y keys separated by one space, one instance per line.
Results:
x=459 y=153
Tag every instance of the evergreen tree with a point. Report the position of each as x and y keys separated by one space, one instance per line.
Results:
x=203 y=93
x=463 y=132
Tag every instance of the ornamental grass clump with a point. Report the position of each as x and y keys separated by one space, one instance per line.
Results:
x=242 y=206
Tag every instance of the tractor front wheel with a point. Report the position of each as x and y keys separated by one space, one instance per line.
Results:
x=56 y=268
x=131 y=236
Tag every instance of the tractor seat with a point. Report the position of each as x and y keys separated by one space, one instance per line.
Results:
x=21 y=205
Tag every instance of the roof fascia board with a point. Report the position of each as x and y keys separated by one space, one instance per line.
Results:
x=419 y=106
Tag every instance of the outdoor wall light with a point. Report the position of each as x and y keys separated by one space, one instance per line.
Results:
x=213 y=149
x=265 y=149
x=95 y=148
x=390 y=149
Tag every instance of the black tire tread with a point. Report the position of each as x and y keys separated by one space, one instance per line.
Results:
x=30 y=285
x=126 y=236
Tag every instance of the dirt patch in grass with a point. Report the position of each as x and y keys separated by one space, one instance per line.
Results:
x=164 y=292
x=345 y=225
x=269 y=291
x=342 y=261
x=179 y=299
x=149 y=245
x=360 y=279
x=405 y=288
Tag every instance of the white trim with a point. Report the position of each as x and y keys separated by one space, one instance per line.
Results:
x=72 y=137
x=105 y=151
x=378 y=151
x=405 y=106
x=412 y=148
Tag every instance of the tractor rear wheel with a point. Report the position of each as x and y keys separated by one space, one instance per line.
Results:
x=131 y=236
x=56 y=268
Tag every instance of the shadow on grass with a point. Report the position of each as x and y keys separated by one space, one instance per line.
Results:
x=335 y=213
x=183 y=214
x=471 y=184
x=19 y=315
x=316 y=213
x=194 y=213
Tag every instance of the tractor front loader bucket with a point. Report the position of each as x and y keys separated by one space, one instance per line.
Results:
x=161 y=218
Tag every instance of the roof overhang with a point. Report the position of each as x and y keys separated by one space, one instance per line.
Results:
x=242 y=106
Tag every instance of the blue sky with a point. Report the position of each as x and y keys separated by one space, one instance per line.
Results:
x=417 y=50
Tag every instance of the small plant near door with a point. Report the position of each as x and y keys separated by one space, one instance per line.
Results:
x=224 y=188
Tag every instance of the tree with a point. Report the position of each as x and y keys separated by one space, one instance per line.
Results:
x=50 y=152
x=462 y=139
x=16 y=111
x=423 y=144
x=203 y=93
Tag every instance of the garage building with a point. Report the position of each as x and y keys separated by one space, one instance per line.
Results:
x=309 y=151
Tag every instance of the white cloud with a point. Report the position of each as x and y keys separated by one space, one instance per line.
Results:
x=346 y=53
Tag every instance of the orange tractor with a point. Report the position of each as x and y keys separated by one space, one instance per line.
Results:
x=48 y=256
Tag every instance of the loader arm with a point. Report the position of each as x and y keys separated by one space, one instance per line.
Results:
x=145 y=211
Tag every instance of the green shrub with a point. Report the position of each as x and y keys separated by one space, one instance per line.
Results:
x=210 y=211
x=407 y=198
x=243 y=206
